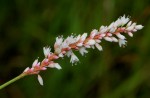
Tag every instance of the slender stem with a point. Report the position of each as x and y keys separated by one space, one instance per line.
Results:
x=12 y=80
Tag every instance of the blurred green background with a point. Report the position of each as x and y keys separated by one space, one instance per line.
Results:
x=26 y=26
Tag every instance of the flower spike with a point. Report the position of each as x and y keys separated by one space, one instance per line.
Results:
x=65 y=47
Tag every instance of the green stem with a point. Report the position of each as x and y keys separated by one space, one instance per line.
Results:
x=12 y=80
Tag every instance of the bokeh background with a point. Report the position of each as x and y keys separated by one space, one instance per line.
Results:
x=26 y=26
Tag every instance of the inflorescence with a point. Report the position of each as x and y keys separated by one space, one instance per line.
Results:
x=64 y=47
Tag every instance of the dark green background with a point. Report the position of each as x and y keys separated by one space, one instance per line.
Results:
x=26 y=26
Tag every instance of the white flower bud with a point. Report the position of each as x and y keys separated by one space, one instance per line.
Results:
x=83 y=37
x=130 y=34
x=46 y=51
x=120 y=36
x=40 y=80
x=56 y=65
x=112 y=30
x=103 y=29
x=111 y=25
x=26 y=69
x=114 y=39
x=35 y=63
x=139 y=27
x=91 y=42
x=59 y=41
x=93 y=33
x=99 y=47
x=129 y=24
x=130 y=28
x=102 y=35
x=78 y=37
x=98 y=41
x=108 y=39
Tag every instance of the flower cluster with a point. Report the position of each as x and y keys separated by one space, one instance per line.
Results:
x=64 y=47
